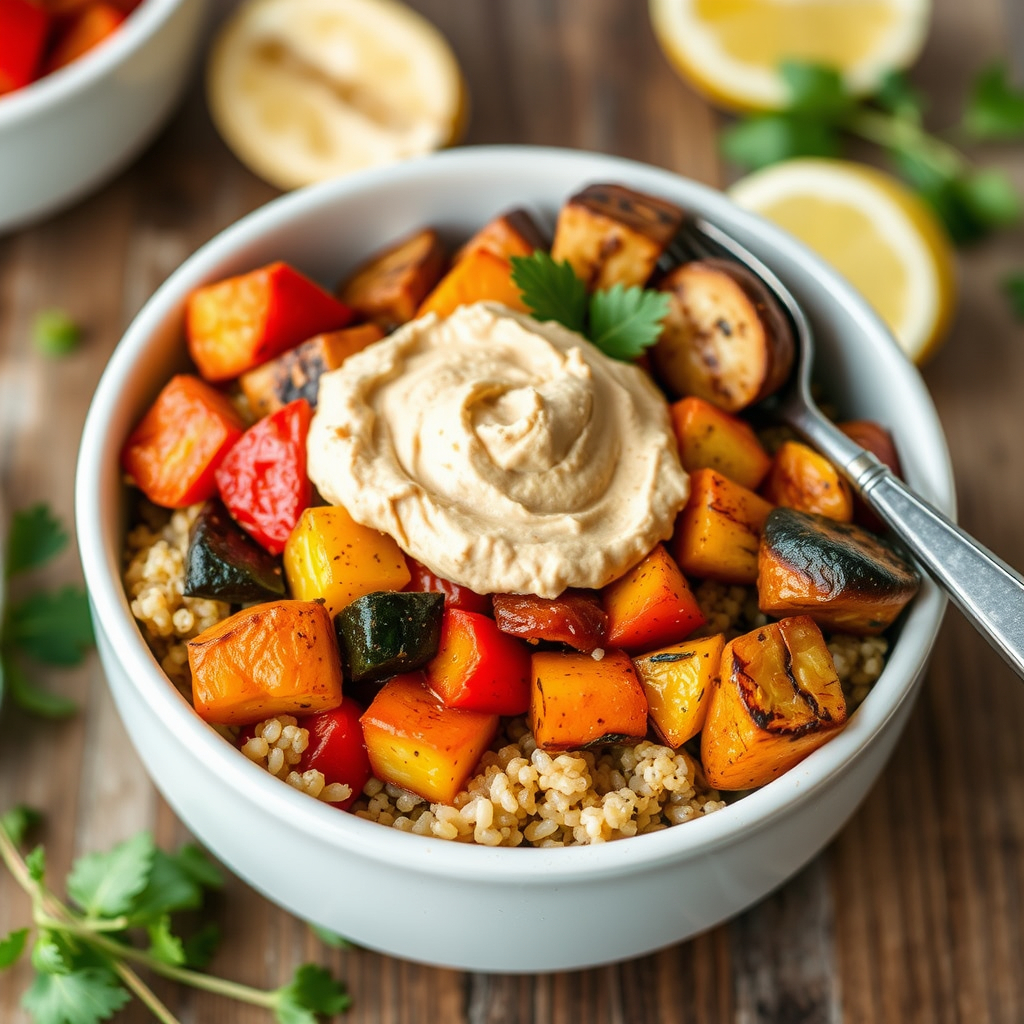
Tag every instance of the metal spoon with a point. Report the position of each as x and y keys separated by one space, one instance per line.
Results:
x=988 y=591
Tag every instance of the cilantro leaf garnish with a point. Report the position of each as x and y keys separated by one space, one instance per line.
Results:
x=12 y=946
x=34 y=537
x=622 y=322
x=53 y=627
x=995 y=109
x=105 y=884
x=85 y=996
x=55 y=334
x=312 y=990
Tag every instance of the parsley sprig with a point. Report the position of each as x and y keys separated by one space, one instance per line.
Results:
x=52 y=627
x=821 y=115
x=622 y=322
x=119 y=916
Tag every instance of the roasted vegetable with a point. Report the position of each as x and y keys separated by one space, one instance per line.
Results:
x=800 y=478
x=224 y=563
x=710 y=438
x=840 y=574
x=514 y=233
x=575 y=618
x=876 y=439
x=390 y=286
x=385 y=633
x=480 y=275
x=478 y=667
x=296 y=373
x=85 y=29
x=236 y=324
x=262 y=480
x=650 y=605
x=718 y=532
x=576 y=700
x=272 y=659
x=455 y=595
x=336 y=749
x=330 y=556
x=725 y=339
x=173 y=454
x=778 y=699
x=23 y=30
x=678 y=682
x=416 y=742
x=613 y=235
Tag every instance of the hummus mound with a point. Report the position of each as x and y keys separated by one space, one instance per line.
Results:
x=508 y=455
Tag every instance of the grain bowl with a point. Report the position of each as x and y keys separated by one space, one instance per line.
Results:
x=454 y=904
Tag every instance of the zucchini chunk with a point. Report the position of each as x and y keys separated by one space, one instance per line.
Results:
x=224 y=563
x=385 y=633
x=725 y=339
x=840 y=574
x=613 y=235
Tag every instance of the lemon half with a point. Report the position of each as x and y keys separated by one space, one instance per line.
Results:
x=874 y=231
x=731 y=49
x=304 y=90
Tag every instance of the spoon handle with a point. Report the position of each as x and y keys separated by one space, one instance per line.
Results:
x=984 y=588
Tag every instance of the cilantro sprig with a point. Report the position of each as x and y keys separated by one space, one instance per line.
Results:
x=119 y=916
x=622 y=322
x=48 y=627
x=820 y=116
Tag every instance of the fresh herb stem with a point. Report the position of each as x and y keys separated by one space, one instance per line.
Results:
x=146 y=994
x=904 y=135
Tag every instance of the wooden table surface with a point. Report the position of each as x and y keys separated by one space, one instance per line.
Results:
x=914 y=913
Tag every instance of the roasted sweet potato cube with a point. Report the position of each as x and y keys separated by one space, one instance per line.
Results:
x=710 y=438
x=514 y=233
x=390 y=286
x=576 y=701
x=613 y=235
x=415 y=742
x=575 y=618
x=678 y=682
x=650 y=605
x=296 y=374
x=718 y=532
x=800 y=478
x=479 y=276
x=279 y=658
x=778 y=699
x=843 y=576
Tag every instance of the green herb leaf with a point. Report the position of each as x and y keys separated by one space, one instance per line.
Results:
x=896 y=95
x=49 y=954
x=329 y=938
x=18 y=821
x=764 y=139
x=34 y=537
x=198 y=866
x=85 y=996
x=550 y=290
x=625 y=321
x=54 y=628
x=30 y=697
x=105 y=884
x=815 y=89
x=200 y=947
x=12 y=946
x=312 y=990
x=164 y=945
x=54 y=333
x=991 y=198
x=995 y=109
x=172 y=885
x=1013 y=288
x=36 y=864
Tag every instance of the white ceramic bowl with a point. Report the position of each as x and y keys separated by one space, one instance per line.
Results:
x=427 y=899
x=70 y=131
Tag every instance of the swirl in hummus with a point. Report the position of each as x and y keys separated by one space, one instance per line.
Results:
x=508 y=455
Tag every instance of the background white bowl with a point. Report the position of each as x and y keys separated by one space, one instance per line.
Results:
x=426 y=899
x=70 y=131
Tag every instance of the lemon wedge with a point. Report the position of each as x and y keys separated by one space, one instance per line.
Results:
x=874 y=231
x=731 y=49
x=304 y=90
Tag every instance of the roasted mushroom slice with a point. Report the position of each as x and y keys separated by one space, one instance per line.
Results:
x=840 y=574
x=725 y=339
x=613 y=235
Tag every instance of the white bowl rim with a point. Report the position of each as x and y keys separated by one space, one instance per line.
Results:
x=145 y=21
x=324 y=824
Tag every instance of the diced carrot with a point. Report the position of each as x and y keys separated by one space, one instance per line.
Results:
x=174 y=452
x=514 y=233
x=480 y=275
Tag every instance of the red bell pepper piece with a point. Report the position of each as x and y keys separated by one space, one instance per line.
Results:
x=262 y=480
x=23 y=30
x=478 y=667
x=238 y=323
x=651 y=605
x=336 y=748
x=174 y=452
x=455 y=595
